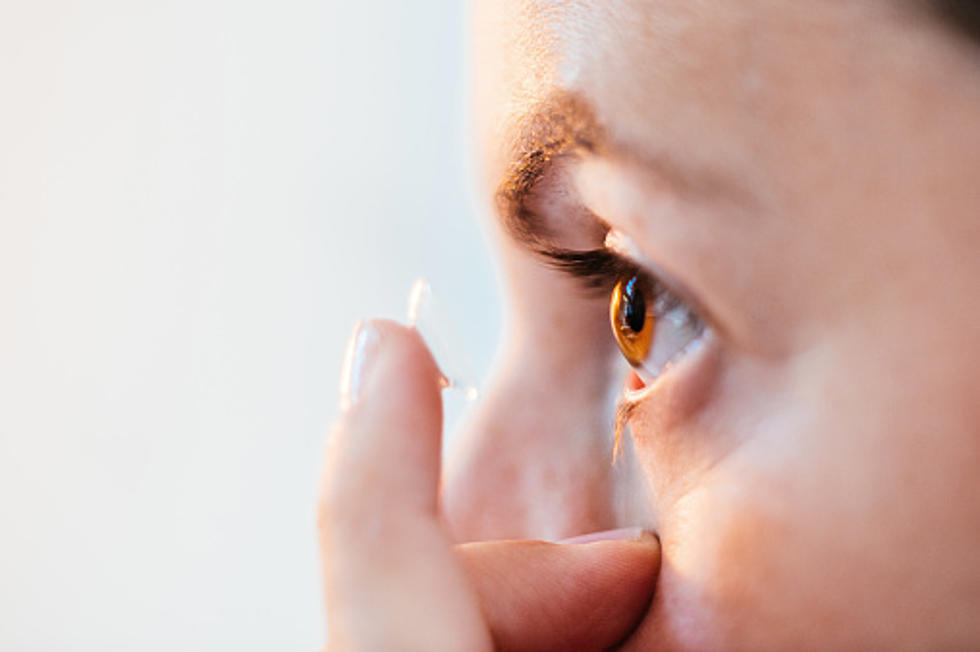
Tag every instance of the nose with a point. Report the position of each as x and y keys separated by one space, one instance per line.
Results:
x=534 y=460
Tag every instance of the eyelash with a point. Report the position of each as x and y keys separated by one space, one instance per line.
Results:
x=600 y=269
x=597 y=269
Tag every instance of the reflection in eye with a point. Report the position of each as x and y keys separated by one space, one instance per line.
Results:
x=652 y=327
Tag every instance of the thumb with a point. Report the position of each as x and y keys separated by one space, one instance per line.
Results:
x=546 y=596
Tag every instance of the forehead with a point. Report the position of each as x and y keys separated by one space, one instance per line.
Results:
x=708 y=79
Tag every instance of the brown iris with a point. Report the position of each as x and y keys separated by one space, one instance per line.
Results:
x=632 y=319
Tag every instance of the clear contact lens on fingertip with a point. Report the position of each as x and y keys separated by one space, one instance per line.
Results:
x=427 y=317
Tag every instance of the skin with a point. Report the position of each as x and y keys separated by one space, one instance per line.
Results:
x=811 y=470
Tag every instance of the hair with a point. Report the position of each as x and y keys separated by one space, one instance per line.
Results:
x=962 y=15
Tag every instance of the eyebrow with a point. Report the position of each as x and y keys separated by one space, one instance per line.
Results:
x=564 y=123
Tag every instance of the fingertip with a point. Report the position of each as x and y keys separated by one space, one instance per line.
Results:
x=383 y=356
x=400 y=408
x=402 y=340
x=383 y=454
x=634 y=563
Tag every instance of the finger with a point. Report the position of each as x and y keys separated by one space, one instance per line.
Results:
x=388 y=438
x=392 y=579
x=544 y=596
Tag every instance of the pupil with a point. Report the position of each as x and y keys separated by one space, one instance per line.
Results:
x=636 y=306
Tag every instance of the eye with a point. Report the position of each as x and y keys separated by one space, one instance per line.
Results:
x=652 y=327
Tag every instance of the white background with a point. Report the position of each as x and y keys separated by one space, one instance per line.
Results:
x=197 y=201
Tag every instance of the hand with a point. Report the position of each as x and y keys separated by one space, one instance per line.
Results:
x=395 y=580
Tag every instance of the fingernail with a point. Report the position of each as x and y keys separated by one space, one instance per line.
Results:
x=360 y=350
x=622 y=534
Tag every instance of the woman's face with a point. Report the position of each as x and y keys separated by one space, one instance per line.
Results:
x=803 y=177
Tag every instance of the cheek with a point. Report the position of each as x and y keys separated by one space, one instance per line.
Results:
x=736 y=563
x=746 y=520
x=825 y=525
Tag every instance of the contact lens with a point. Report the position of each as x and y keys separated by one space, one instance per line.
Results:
x=426 y=316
